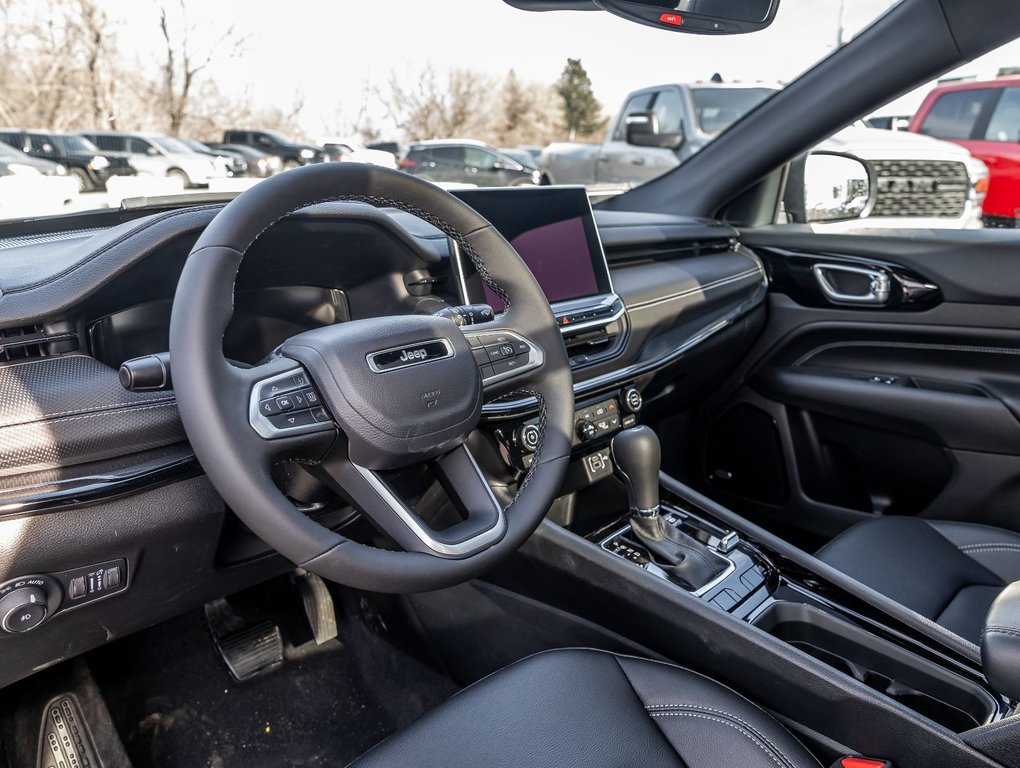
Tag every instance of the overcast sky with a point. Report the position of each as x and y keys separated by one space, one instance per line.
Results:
x=327 y=50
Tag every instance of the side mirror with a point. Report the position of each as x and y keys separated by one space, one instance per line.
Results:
x=642 y=130
x=826 y=187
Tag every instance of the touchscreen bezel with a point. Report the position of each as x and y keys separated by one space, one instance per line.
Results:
x=470 y=284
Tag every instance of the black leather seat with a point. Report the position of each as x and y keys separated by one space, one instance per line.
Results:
x=948 y=572
x=597 y=710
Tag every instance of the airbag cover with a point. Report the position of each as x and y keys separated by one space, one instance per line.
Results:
x=418 y=399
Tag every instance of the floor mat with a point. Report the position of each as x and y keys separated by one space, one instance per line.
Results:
x=176 y=706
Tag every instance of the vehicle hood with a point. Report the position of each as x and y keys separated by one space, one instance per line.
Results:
x=877 y=143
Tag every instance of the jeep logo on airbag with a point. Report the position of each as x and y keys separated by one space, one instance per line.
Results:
x=412 y=354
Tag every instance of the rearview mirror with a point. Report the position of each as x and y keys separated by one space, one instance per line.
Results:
x=827 y=187
x=704 y=17
x=642 y=130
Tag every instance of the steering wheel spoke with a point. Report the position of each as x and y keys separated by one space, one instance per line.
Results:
x=483 y=525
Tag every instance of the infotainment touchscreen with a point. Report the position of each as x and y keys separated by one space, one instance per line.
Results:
x=553 y=230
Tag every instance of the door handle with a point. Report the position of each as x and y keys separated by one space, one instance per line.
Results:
x=637 y=161
x=603 y=158
x=845 y=284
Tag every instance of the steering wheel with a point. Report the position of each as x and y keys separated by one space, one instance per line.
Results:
x=353 y=400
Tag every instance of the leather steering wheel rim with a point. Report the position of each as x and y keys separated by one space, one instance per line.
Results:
x=212 y=393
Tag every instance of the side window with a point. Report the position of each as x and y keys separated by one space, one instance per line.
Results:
x=40 y=143
x=479 y=158
x=139 y=146
x=955 y=114
x=1005 y=122
x=669 y=108
x=12 y=139
x=448 y=155
x=107 y=143
x=637 y=104
x=264 y=141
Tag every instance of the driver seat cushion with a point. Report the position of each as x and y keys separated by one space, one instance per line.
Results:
x=593 y=709
x=948 y=572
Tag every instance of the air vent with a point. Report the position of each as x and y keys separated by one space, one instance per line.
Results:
x=673 y=250
x=589 y=346
x=33 y=341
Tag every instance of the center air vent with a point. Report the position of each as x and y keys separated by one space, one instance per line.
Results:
x=34 y=341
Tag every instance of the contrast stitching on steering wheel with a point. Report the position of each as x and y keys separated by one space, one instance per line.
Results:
x=424 y=215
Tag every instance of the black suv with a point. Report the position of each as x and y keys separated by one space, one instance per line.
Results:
x=83 y=159
x=273 y=143
x=465 y=162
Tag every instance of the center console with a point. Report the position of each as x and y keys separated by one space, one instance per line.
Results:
x=753 y=583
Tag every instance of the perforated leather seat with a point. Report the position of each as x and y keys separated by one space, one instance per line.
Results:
x=597 y=710
x=948 y=572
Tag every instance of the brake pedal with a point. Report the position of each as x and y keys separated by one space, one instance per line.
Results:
x=248 y=652
x=318 y=605
x=64 y=739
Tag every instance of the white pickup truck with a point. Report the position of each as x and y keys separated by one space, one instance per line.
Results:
x=922 y=182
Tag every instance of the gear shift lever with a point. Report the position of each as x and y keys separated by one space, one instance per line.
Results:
x=637 y=456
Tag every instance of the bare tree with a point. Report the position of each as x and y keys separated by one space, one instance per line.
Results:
x=460 y=106
x=182 y=63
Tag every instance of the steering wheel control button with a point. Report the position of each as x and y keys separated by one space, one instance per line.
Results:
x=295 y=407
x=503 y=355
x=285 y=421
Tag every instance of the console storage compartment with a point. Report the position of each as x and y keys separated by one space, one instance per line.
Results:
x=925 y=687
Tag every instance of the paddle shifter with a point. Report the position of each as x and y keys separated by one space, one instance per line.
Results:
x=637 y=455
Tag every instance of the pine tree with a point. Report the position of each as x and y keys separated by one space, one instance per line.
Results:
x=582 y=112
x=517 y=106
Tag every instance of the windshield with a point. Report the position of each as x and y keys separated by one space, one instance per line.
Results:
x=560 y=86
x=171 y=145
x=716 y=109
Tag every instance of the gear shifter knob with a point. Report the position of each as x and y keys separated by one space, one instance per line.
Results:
x=637 y=456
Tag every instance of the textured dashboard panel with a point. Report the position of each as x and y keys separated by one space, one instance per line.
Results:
x=71 y=410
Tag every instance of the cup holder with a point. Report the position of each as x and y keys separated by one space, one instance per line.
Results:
x=926 y=688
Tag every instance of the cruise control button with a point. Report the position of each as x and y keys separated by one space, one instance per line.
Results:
x=522 y=348
x=292 y=420
x=507 y=366
x=501 y=351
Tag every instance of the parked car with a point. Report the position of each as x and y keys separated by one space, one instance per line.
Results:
x=983 y=117
x=522 y=156
x=351 y=151
x=233 y=162
x=888 y=122
x=182 y=162
x=75 y=154
x=920 y=183
x=14 y=162
x=271 y=142
x=260 y=164
x=460 y=161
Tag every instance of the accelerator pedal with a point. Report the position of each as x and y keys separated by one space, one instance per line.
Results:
x=248 y=652
x=318 y=605
x=65 y=740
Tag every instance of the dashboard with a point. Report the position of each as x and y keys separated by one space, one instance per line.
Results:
x=96 y=479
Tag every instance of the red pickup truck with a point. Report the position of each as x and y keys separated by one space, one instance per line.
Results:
x=984 y=117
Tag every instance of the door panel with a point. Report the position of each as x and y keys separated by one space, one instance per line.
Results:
x=911 y=408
